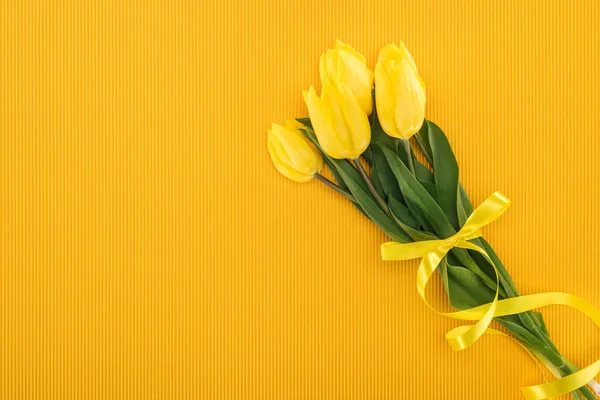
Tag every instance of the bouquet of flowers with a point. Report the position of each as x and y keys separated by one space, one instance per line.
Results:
x=364 y=121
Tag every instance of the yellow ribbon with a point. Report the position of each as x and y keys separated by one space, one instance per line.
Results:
x=433 y=251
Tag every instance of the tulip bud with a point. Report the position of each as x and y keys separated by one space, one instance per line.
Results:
x=340 y=123
x=348 y=66
x=292 y=153
x=399 y=92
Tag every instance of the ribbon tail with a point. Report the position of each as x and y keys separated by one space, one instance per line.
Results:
x=433 y=252
x=407 y=251
x=563 y=385
x=490 y=331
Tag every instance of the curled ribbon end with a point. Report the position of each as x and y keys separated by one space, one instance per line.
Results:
x=383 y=252
x=503 y=198
x=388 y=249
x=454 y=345
x=455 y=338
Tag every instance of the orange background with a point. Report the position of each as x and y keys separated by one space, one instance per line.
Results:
x=150 y=250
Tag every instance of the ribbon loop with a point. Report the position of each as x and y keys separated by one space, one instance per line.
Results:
x=490 y=210
x=433 y=252
x=408 y=251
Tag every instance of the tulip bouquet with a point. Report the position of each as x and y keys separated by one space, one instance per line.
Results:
x=364 y=121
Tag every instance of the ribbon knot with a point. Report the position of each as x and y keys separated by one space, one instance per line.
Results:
x=433 y=253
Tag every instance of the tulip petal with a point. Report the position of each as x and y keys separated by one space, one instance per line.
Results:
x=297 y=126
x=405 y=54
x=339 y=45
x=355 y=119
x=400 y=93
x=338 y=137
x=385 y=101
x=410 y=99
x=292 y=153
x=322 y=125
x=322 y=66
x=284 y=169
x=328 y=65
x=345 y=64
x=391 y=52
x=358 y=78
x=300 y=155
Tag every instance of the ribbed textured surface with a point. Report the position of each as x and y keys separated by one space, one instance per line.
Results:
x=149 y=249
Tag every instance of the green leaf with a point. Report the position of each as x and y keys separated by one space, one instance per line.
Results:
x=443 y=270
x=408 y=222
x=540 y=318
x=377 y=182
x=466 y=290
x=465 y=259
x=352 y=180
x=402 y=214
x=417 y=196
x=521 y=333
x=368 y=156
x=373 y=210
x=426 y=146
x=340 y=182
x=385 y=174
x=334 y=165
x=338 y=179
x=465 y=208
x=431 y=189
x=422 y=172
x=305 y=122
x=419 y=216
x=466 y=202
x=462 y=215
x=446 y=176
x=502 y=272
x=379 y=136
x=393 y=183
x=423 y=141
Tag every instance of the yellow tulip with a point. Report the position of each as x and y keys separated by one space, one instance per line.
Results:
x=345 y=64
x=399 y=92
x=292 y=153
x=340 y=123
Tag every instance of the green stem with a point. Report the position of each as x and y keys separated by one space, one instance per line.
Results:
x=567 y=369
x=528 y=318
x=584 y=389
x=372 y=189
x=550 y=357
x=570 y=369
x=421 y=144
x=335 y=187
x=411 y=165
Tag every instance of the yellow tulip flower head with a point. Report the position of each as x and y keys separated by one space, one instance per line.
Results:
x=399 y=92
x=340 y=123
x=292 y=153
x=344 y=64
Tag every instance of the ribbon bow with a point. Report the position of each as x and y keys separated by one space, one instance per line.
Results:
x=459 y=338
